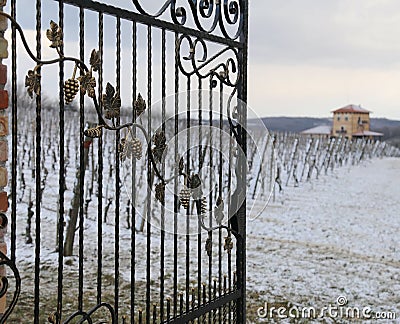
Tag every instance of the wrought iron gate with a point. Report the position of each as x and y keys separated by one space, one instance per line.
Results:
x=142 y=158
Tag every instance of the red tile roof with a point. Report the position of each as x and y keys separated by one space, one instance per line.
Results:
x=351 y=109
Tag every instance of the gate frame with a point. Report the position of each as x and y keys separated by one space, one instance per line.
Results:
x=242 y=46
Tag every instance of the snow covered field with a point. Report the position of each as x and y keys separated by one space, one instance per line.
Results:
x=336 y=236
x=333 y=236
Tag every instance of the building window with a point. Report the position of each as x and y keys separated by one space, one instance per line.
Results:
x=338 y=118
x=346 y=118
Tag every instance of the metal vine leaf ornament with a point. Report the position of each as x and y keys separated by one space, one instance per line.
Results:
x=159 y=145
x=195 y=185
x=181 y=166
x=208 y=245
x=111 y=102
x=55 y=35
x=32 y=82
x=160 y=192
x=192 y=189
x=228 y=246
x=219 y=210
x=88 y=83
x=95 y=61
x=140 y=105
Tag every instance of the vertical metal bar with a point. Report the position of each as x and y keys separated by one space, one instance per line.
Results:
x=140 y=316
x=203 y=287
x=220 y=192
x=117 y=174
x=242 y=96
x=81 y=161
x=229 y=223
x=149 y=175
x=154 y=313
x=14 y=105
x=100 y=172
x=210 y=103
x=61 y=188
x=14 y=127
x=176 y=202
x=168 y=308
x=133 y=198
x=225 y=307
x=214 y=312
x=188 y=209
x=180 y=303
x=201 y=159
x=193 y=301
x=235 y=303
x=163 y=95
x=37 y=171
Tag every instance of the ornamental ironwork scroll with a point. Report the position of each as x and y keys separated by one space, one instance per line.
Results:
x=218 y=13
x=221 y=13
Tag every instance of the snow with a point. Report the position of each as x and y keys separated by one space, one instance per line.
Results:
x=333 y=236
x=330 y=237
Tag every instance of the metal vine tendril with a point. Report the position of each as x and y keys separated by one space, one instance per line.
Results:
x=111 y=99
x=224 y=10
x=87 y=86
x=5 y=261
x=222 y=13
x=192 y=190
x=222 y=71
x=198 y=57
x=87 y=83
x=84 y=316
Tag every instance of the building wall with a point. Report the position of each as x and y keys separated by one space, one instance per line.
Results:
x=364 y=118
x=349 y=122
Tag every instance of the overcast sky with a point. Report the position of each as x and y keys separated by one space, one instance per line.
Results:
x=308 y=57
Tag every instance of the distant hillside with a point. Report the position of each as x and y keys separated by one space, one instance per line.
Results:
x=384 y=122
x=390 y=128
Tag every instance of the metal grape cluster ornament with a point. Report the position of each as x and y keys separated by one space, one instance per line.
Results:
x=130 y=147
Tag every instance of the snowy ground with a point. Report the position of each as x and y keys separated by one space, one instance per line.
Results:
x=336 y=236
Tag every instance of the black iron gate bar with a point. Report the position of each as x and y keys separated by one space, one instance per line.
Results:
x=220 y=298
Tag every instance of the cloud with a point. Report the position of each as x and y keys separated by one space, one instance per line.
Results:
x=309 y=90
x=306 y=57
x=359 y=33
